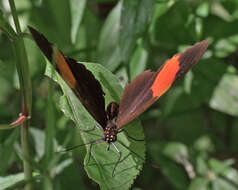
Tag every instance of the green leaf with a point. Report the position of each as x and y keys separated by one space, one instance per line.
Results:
x=7 y=151
x=160 y=9
x=49 y=18
x=77 y=10
x=135 y=18
x=62 y=166
x=11 y=180
x=171 y=98
x=202 y=166
x=108 y=50
x=49 y=130
x=6 y=27
x=225 y=97
x=179 y=30
x=203 y=9
x=221 y=184
x=204 y=144
x=219 y=10
x=173 y=172
x=220 y=167
x=70 y=178
x=207 y=74
x=101 y=161
x=176 y=151
x=199 y=183
x=226 y=177
x=188 y=79
x=224 y=47
x=138 y=61
x=214 y=26
x=39 y=138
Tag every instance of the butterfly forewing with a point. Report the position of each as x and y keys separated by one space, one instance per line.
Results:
x=190 y=57
x=80 y=79
x=146 y=88
x=89 y=91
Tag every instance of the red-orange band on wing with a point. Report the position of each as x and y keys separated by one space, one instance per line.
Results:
x=64 y=70
x=166 y=76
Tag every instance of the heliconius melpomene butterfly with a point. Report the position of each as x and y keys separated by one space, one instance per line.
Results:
x=137 y=96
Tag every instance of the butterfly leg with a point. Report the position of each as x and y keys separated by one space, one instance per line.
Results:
x=121 y=143
x=89 y=155
x=108 y=146
x=134 y=139
x=90 y=149
x=120 y=154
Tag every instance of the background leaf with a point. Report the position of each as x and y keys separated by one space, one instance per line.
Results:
x=135 y=18
x=77 y=10
x=10 y=181
x=109 y=38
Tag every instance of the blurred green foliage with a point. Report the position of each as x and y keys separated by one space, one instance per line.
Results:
x=191 y=132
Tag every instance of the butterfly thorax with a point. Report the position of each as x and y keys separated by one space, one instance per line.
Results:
x=110 y=132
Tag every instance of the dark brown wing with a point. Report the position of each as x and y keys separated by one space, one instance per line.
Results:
x=146 y=88
x=81 y=80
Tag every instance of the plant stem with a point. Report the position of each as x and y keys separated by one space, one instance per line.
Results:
x=26 y=95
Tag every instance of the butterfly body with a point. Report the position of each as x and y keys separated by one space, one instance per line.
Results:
x=110 y=132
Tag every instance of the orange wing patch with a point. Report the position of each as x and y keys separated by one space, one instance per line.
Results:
x=65 y=70
x=166 y=76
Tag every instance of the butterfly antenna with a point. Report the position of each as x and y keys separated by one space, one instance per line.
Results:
x=90 y=148
x=120 y=142
x=77 y=146
x=130 y=137
x=108 y=146
x=118 y=160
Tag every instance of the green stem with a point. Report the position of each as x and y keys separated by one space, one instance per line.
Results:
x=26 y=94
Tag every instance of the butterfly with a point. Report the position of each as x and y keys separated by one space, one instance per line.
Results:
x=138 y=95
